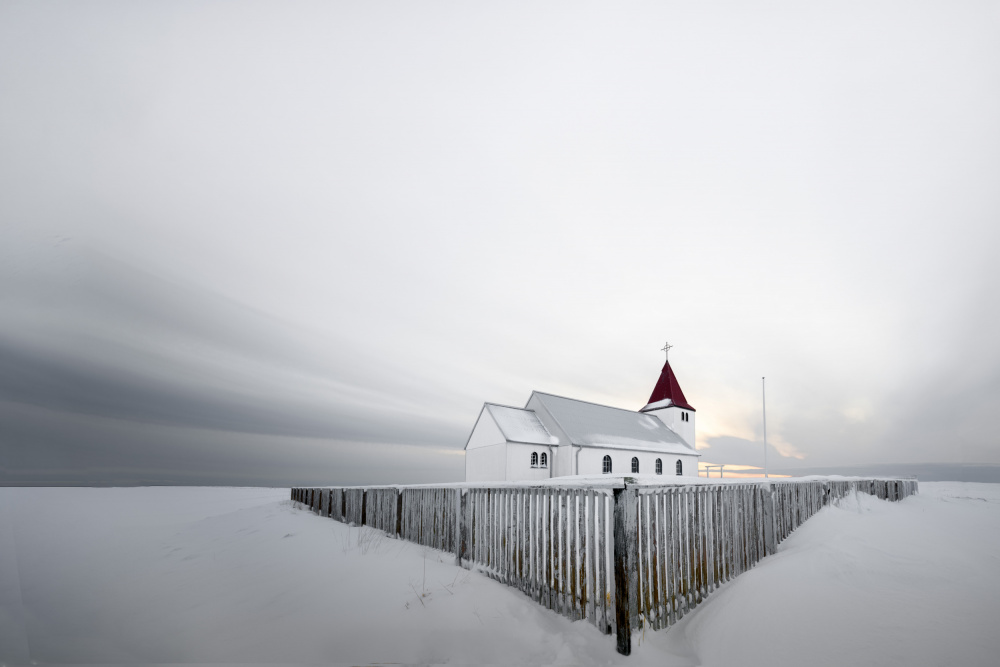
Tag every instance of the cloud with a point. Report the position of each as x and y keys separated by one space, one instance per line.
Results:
x=730 y=450
x=93 y=340
x=45 y=448
x=97 y=336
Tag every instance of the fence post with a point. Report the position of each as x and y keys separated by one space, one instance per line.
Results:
x=626 y=575
x=399 y=513
x=770 y=543
x=364 y=507
x=461 y=547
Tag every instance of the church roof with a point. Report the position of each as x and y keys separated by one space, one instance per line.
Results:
x=667 y=392
x=593 y=425
x=519 y=425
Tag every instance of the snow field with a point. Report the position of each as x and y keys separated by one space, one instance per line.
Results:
x=224 y=575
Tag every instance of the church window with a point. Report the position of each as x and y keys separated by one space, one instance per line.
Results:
x=635 y=464
x=534 y=459
x=659 y=466
x=545 y=460
x=680 y=467
x=606 y=465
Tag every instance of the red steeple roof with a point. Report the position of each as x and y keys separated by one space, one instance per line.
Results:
x=668 y=388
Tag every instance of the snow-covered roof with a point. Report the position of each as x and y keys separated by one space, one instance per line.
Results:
x=520 y=425
x=593 y=425
x=665 y=403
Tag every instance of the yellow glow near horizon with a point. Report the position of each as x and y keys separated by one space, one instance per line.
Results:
x=733 y=471
x=738 y=475
x=704 y=464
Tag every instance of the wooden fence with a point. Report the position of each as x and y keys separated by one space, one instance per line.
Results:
x=623 y=554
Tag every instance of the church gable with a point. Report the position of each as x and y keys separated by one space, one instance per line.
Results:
x=485 y=432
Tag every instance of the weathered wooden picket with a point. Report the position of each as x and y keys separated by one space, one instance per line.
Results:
x=550 y=542
x=621 y=553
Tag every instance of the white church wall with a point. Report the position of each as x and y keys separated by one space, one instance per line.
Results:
x=519 y=462
x=689 y=464
x=592 y=462
x=562 y=461
x=486 y=463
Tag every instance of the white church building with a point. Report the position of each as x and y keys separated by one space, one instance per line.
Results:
x=554 y=436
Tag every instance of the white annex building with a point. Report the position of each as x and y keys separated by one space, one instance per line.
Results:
x=553 y=436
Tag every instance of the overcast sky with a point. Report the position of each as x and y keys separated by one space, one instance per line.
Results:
x=302 y=242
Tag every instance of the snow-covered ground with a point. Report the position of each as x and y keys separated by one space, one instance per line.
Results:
x=224 y=575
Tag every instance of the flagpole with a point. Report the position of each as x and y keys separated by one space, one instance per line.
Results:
x=763 y=403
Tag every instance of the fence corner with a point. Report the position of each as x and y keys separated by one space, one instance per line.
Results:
x=626 y=573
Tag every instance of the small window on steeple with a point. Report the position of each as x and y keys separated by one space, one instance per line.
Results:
x=534 y=459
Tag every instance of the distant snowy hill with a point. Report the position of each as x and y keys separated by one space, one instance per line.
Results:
x=925 y=472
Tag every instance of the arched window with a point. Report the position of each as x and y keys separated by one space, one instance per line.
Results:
x=606 y=465
x=659 y=466
x=534 y=459
x=635 y=464
x=545 y=460
x=680 y=467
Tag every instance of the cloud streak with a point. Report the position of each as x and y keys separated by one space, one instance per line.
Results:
x=329 y=233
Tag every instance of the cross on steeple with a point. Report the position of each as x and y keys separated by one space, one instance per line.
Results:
x=666 y=348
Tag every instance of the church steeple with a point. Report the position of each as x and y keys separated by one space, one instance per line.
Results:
x=667 y=392
x=667 y=402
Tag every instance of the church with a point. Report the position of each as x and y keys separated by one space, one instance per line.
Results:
x=554 y=436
